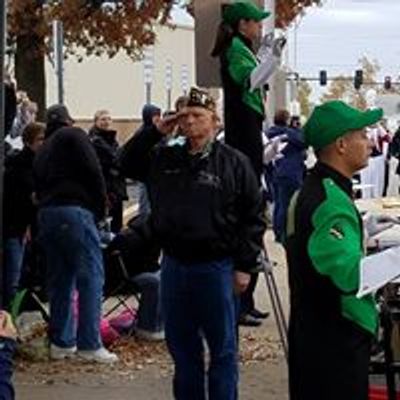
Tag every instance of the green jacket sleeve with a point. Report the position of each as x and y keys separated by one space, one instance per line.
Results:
x=240 y=63
x=335 y=246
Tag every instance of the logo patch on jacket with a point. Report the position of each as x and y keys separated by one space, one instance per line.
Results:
x=205 y=178
x=337 y=232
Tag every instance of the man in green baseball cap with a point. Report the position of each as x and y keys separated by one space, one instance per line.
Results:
x=330 y=330
x=335 y=119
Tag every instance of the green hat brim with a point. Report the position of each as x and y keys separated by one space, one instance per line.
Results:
x=318 y=136
x=263 y=15
x=368 y=118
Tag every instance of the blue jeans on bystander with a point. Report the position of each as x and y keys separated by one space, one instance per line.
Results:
x=70 y=239
x=199 y=303
x=149 y=313
x=13 y=260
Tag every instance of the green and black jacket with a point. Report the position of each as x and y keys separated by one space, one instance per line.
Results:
x=324 y=249
x=243 y=109
x=241 y=62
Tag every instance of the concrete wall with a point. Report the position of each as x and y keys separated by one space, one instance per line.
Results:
x=118 y=84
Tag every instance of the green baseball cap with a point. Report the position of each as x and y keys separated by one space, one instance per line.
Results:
x=334 y=119
x=243 y=9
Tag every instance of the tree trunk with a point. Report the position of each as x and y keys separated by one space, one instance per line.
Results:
x=30 y=70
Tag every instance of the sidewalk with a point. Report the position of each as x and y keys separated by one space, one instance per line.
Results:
x=266 y=381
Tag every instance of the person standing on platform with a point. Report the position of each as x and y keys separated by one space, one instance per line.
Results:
x=244 y=112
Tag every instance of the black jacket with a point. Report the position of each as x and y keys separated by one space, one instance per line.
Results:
x=19 y=211
x=67 y=172
x=329 y=328
x=10 y=107
x=204 y=207
x=106 y=146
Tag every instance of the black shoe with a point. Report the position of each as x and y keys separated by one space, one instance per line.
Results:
x=259 y=314
x=249 y=320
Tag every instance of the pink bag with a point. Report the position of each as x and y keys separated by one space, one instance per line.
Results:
x=124 y=321
x=108 y=334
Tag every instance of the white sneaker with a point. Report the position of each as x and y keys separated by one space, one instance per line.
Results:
x=61 y=353
x=149 y=335
x=101 y=355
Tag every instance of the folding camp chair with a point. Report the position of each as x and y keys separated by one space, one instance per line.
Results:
x=118 y=284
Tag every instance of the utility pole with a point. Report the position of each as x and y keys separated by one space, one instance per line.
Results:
x=148 y=68
x=269 y=26
x=3 y=30
x=58 y=40
x=169 y=83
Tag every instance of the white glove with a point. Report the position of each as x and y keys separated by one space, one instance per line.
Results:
x=273 y=149
x=377 y=223
x=278 y=46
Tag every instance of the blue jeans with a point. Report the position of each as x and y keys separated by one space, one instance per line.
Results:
x=13 y=257
x=69 y=237
x=198 y=302
x=7 y=349
x=144 y=202
x=149 y=313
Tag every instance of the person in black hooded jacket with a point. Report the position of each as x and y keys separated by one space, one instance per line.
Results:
x=71 y=196
x=104 y=140
x=150 y=115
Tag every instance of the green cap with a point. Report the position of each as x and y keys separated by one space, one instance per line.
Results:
x=334 y=119
x=243 y=9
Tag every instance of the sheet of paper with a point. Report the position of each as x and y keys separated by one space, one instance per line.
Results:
x=262 y=73
x=379 y=269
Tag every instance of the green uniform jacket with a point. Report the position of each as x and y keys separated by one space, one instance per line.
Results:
x=241 y=63
x=324 y=249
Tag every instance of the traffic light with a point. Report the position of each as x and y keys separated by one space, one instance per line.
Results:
x=323 y=78
x=358 y=79
x=387 y=84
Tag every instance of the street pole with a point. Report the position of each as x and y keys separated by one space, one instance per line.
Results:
x=3 y=28
x=148 y=68
x=269 y=26
x=184 y=79
x=148 y=93
x=58 y=37
x=168 y=83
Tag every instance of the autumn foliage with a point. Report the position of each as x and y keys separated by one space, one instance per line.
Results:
x=123 y=25
x=288 y=10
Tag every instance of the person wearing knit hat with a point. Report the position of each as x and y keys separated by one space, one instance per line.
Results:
x=330 y=329
x=244 y=111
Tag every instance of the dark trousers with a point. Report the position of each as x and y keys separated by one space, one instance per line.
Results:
x=284 y=188
x=328 y=360
x=116 y=214
x=198 y=304
x=243 y=131
x=247 y=297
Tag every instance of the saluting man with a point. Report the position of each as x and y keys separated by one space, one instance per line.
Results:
x=330 y=329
